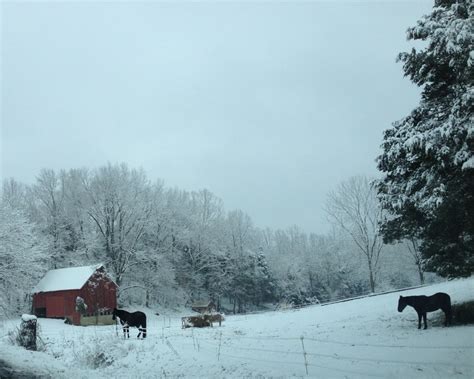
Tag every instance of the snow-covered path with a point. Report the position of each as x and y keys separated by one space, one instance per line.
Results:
x=356 y=339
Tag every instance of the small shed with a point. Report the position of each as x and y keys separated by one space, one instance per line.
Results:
x=56 y=295
x=203 y=306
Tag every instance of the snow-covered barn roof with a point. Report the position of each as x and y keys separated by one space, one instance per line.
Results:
x=72 y=278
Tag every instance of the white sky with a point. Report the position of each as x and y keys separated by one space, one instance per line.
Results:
x=268 y=105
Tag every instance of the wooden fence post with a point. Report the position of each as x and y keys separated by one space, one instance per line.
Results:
x=219 y=351
x=171 y=347
x=304 y=355
x=27 y=333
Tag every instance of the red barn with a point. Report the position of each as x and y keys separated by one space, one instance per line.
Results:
x=55 y=295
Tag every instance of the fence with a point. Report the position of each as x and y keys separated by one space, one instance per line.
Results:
x=303 y=352
x=308 y=359
x=100 y=319
x=341 y=299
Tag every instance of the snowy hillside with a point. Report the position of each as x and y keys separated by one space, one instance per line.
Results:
x=356 y=339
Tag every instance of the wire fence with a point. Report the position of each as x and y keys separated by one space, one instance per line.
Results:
x=357 y=344
x=271 y=363
x=274 y=351
x=338 y=356
x=235 y=348
x=335 y=300
x=280 y=362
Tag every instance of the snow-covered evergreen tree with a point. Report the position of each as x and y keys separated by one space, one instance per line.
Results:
x=428 y=156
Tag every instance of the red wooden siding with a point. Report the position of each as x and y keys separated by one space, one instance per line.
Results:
x=57 y=303
x=99 y=293
x=55 y=306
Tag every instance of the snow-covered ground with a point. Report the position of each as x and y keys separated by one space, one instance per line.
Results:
x=356 y=339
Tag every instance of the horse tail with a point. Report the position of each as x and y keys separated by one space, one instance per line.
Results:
x=447 y=309
x=449 y=315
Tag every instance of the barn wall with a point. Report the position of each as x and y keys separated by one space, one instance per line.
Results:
x=99 y=293
x=39 y=300
x=57 y=303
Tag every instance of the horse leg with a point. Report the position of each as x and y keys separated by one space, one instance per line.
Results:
x=419 y=320
x=447 y=314
x=424 y=320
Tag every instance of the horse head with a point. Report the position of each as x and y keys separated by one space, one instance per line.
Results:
x=401 y=304
x=114 y=314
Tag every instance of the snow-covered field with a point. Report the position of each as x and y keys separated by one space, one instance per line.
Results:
x=356 y=339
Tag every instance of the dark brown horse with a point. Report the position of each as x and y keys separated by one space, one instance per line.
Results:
x=127 y=319
x=424 y=304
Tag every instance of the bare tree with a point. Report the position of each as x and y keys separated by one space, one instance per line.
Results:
x=413 y=248
x=23 y=253
x=13 y=193
x=49 y=191
x=240 y=230
x=240 y=239
x=120 y=205
x=200 y=257
x=354 y=208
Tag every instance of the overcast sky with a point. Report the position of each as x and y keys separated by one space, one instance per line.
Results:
x=267 y=105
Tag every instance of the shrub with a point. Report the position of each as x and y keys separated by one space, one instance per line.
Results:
x=463 y=313
x=93 y=355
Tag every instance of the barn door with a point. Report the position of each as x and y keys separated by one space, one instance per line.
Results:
x=55 y=306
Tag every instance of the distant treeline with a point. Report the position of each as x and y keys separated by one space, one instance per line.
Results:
x=170 y=247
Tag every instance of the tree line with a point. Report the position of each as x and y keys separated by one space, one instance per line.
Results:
x=171 y=247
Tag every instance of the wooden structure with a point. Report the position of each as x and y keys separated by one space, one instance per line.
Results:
x=55 y=295
x=201 y=321
x=203 y=307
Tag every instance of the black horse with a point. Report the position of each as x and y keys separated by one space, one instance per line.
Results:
x=137 y=319
x=423 y=304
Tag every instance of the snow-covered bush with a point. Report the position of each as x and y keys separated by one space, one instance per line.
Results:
x=95 y=353
x=81 y=306
x=463 y=313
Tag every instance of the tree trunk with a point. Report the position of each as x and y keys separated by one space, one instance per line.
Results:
x=371 y=276
x=421 y=273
